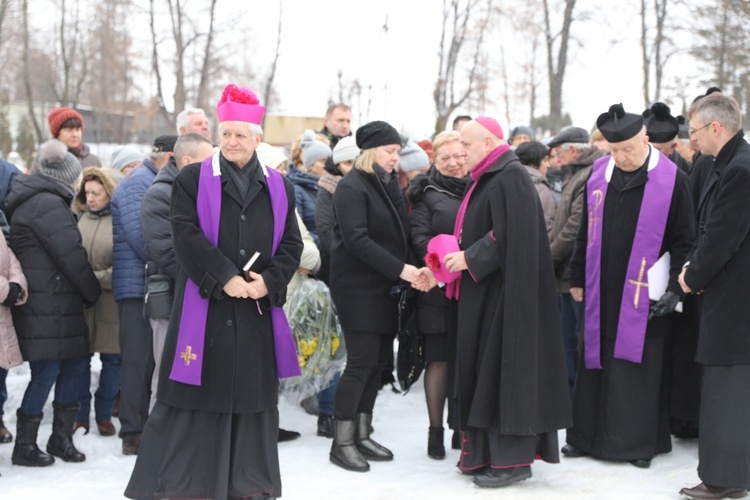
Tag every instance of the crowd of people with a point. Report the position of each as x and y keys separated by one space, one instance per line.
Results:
x=590 y=282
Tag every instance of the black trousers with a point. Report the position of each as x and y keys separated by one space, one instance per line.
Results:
x=723 y=441
x=137 y=366
x=366 y=355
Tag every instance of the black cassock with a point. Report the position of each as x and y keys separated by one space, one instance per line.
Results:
x=218 y=440
x=511 y=375
x=620 y=411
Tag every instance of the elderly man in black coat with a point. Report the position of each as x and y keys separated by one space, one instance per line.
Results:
x=512 y=387
x=213 y=430
x=718 y=269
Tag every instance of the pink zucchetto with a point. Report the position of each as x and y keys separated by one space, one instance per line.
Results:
x=491 y=125
x=239 y=104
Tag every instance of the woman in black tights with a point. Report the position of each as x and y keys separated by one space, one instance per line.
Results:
x=435 y=197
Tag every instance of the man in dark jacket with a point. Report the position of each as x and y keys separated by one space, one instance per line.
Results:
x=226 y=346
x=512 y=396
x=719 y=269
x=129 y=289
x=577 y=156
x=51 y=327
x=337 y=123
x=157 y=230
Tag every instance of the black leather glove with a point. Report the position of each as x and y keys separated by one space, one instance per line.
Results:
x=14 y=293
x=665 y=305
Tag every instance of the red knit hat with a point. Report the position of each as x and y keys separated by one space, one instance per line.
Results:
x=58 y=116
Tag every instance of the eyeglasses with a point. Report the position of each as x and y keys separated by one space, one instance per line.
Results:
x=695 y=131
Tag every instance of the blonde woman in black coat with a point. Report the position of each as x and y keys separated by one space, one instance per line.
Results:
x=370 y=254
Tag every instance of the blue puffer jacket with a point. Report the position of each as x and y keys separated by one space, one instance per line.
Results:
x=305 y=193
x=129 y=264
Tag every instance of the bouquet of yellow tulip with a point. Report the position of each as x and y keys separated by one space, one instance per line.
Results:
x=319 y=339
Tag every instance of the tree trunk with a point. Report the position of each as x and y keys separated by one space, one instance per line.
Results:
x=204 y=85
x=26 y=71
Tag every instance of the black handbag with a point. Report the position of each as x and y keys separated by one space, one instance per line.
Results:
x=410 y=359
x=159 y=295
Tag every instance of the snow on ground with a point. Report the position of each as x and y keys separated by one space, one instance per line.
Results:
x=400 y=423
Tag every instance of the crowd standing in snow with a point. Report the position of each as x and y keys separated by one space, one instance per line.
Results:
x=591 y=282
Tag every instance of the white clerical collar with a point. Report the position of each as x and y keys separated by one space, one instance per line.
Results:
x=216 y=168
x=653 y=160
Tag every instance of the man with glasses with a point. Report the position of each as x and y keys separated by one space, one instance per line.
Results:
x=718 y=269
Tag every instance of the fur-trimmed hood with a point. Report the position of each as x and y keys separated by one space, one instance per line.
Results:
x=109 y=178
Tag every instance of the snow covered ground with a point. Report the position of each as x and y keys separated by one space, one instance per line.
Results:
x=400 y=423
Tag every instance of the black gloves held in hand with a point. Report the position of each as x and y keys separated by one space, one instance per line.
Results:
x=14 y=293
x=665 y=305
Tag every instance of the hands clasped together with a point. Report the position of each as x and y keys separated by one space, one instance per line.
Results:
x=423 y=280
x=238 y=288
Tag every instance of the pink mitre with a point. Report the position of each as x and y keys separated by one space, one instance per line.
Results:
x=239 y=104
x=491 y=125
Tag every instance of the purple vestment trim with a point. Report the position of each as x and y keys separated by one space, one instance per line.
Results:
x=188 y=361
x=649 y=234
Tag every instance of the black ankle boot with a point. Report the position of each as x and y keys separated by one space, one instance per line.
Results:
x=343 y=451
x=325 y=425
x=60 y=443
x=370 y=449
x=25 y=451
x=456 y=440
x=435 y=446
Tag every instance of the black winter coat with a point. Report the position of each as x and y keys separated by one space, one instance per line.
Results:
x=511 y=363
x=720 y=260
x=157 y=230
x=435 y=200
x=239 y=367
x=370 y=248
x=44 y=236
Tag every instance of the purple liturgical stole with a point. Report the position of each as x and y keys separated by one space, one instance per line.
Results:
x=649 y=234
x=188 y=361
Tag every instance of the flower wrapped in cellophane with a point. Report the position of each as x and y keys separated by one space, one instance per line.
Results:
x=318 y=337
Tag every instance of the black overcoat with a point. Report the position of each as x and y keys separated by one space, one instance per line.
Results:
x=44 y=236
x=369 y=251
x=720 y=261
x=511 y=362
x=239 y=367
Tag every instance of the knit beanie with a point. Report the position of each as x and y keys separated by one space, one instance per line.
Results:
x=313 y=150
x=522 y=129
x=270 y=156
x=345 y=150
x=56 y=162
x=412 y=157
x=124 y=156
x=58 y=116
x=377 y=133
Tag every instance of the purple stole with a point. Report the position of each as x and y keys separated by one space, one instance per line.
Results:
x=649 y=234
x=188 y=360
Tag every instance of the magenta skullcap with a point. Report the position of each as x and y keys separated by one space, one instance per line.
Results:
x=491 y=125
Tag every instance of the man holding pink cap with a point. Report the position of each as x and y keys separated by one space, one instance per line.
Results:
x=213 y=430
x=511 y=376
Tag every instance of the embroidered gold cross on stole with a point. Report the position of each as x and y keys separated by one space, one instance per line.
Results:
x=188 y=355
x=594 y=216
x=638 y=283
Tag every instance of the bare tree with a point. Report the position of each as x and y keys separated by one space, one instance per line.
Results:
x=155 y=66
x=653 y=51
x=557 y=62
x=72 y=57
x=464 y=26
x=268 y=94
x=27 y=70
x=204 y=87
x=4 y=5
